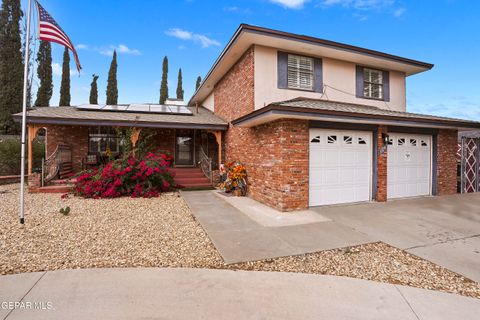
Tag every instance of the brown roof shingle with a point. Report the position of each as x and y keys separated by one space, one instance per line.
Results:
x=65 y=115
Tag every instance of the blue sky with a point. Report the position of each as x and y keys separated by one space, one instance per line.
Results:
x=192 y=33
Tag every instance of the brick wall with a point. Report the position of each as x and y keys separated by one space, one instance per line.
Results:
x=275 y=154
x=447 y=162
x=74 y=136
x=164 y=140
x=381 y=165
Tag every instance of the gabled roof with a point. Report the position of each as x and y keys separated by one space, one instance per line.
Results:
x=248 y=35
x=304 y=108
x=204 y=119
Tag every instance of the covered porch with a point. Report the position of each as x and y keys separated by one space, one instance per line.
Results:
x=77 y=140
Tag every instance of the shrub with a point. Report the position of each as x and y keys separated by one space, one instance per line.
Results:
x=133 y=176
x=10 y=150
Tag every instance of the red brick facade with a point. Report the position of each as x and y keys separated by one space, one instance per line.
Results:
x=447 y=144
x=276 y=153
x=382 y=157
x=74 y=136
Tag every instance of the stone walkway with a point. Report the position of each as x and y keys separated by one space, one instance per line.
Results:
x=238 y=238
x=153 y=293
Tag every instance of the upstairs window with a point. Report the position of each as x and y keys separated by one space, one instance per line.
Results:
x=300 y=72
x=372 y=84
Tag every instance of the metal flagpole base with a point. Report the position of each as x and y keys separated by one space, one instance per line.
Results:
x=22 y=220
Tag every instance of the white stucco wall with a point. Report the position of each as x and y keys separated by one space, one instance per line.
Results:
x=209 y=102
x=336 y=74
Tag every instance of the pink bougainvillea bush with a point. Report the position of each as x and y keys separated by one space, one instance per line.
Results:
x=135 y=177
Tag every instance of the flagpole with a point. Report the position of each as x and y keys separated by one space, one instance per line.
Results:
x=24 y=116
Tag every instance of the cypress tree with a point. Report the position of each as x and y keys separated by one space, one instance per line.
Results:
x=112 y=89
x=199 y=81
x=65 y=84
x=94 y=90
x=164 y=84
x=180 y=85
x=11 y=65
x=44 y=74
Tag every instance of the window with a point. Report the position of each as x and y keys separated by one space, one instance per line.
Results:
x=300 y=72
x=361 y=140
x=413 y=142
x=401 y=142
x=315 y=140
x=372 y=83
x=424 y=143
x=347 y=139
x=102 y=138
x=331 y=139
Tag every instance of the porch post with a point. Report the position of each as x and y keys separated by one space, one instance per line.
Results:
x=134 y=137
x=218 y=138
x=32 y=133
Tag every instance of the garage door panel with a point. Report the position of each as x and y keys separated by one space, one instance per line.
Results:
x=409 y=165
x=340 y=166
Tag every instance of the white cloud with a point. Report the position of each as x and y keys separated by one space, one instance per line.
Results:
x=108 y=50
x=399 y=12
x=292 y=4
x=181 y=34
x=124 y=49
x=56 y=69
x=391 y=6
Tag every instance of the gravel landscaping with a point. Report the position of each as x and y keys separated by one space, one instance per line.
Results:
x=161 y=232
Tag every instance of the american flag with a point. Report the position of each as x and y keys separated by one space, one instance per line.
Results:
x=49 y=30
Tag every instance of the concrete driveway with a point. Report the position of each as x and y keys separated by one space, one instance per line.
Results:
x=444 y=230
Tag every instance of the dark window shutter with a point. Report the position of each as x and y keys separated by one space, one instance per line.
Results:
x=282 y=64
x=359 y=82
x=317 y=75
x=386 y=85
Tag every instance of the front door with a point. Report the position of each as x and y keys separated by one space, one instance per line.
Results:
x=184 y=147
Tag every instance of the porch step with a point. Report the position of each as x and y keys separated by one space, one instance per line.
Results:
x=67 y=170
x=62 y=182
x=54 y=189
x=191 y=178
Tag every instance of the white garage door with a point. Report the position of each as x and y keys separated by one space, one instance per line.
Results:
x=340 y=166
x=409 y=165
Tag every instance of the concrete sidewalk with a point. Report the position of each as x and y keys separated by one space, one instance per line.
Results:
x=152 y=293
x=238 y=238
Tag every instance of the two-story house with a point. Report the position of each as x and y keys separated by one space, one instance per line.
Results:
x=315 y=122
x=318 y=122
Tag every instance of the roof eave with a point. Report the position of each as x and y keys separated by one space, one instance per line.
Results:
x=274 y=112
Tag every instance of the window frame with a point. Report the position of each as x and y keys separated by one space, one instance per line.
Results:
x=369 y=82
x=96 y=132
x=298 y=72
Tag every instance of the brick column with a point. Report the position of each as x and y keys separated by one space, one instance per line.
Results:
x=447 y=162
x=381 y=165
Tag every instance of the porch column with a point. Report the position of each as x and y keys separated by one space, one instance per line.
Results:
x=134 y=137
x=218 y=138
x=32 y=133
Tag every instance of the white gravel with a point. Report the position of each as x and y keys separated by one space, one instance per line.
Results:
x=161 y=232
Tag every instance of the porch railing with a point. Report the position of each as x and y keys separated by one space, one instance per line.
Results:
x=54 y=163
x=206 y=164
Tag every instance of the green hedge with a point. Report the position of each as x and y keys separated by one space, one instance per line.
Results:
x=10 y=150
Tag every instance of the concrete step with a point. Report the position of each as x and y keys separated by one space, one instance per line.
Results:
x=190 y=181
x=54 y=189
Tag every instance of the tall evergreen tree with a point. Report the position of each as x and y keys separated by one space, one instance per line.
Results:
x=94 y=90
x=164 y=84
x=112 y=89
x=44 y=74
x=11 y=65
x=65 y=84
x=180 y=85
x=199 y=81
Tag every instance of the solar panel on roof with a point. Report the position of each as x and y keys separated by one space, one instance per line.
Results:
x=139 y=107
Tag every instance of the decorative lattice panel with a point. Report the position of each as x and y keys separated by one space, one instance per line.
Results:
x=470 y=180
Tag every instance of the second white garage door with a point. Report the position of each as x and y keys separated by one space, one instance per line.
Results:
x=340 y=166
x=409 y=165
